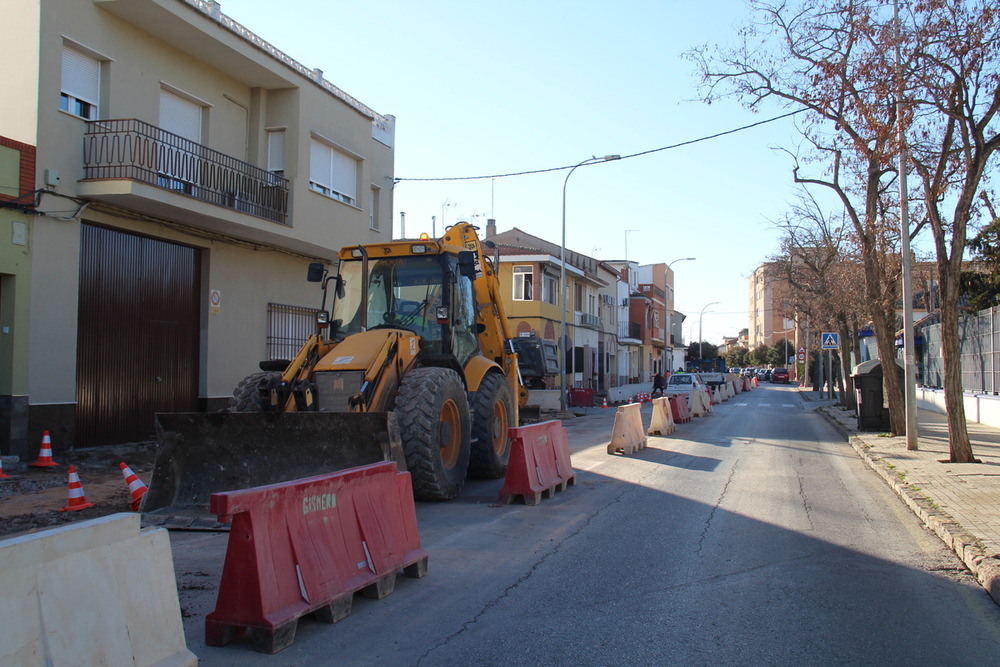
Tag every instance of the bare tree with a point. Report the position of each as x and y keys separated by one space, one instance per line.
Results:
x=829 y=60
x=820 y=266
x=954 y=135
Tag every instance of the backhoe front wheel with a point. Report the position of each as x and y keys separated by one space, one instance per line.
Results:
x=492 y=411
x=246 y=396
x=435 y=429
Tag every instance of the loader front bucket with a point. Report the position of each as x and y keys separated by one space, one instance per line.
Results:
x=199 y=454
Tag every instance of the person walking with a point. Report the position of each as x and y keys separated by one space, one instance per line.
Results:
x=657 y=385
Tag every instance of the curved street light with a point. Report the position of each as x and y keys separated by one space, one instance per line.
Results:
x=682 y=259
x=562 y=278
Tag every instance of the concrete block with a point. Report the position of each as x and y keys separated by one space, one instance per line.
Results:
x=98 y=592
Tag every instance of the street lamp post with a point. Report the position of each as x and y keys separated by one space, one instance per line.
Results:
x=673 y=312
x=700 y=316
x=562 y=278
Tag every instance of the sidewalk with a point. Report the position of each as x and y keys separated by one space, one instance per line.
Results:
x=960 y=502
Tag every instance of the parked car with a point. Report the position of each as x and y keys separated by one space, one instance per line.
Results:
x=764 y=374
x=780 y=375
x=682 y=383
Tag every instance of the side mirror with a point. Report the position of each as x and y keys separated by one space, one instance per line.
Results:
x=316 y=271
x=468 y=264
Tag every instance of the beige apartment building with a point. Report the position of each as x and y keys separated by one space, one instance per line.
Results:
x=187 y=172
x=768 y=322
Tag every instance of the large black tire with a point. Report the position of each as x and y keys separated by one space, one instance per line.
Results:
x=246 y=397
x=435 y=428
x=492 y=411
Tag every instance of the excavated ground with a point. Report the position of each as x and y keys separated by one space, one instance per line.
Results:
x=30 y=499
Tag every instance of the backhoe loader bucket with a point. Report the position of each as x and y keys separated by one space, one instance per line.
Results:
x=199 y=454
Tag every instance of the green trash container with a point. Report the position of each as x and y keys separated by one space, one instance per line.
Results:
x=873 y=413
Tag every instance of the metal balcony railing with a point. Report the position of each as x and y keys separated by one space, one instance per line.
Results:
x=133 y=149
x=588 y=320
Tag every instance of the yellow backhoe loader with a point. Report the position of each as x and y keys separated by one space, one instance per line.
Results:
x=413 y=363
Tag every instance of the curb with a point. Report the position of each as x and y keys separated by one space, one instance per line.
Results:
x=983 y=565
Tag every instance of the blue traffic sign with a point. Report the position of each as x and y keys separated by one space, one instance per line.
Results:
x=830 y=340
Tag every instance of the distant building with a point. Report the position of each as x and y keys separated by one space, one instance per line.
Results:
x=769 y=321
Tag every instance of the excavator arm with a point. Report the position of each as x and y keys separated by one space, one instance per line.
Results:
x=495 y=335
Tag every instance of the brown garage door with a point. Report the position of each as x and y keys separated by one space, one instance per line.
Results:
x=137 y=348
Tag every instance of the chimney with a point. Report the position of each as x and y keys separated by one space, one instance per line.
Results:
x=491 y=227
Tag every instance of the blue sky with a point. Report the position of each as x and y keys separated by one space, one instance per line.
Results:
x=483 y=88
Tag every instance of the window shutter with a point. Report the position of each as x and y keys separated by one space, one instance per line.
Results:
x=81 y=76
x=344 y=174
x=276 y=150
x=180 y=116
x=319 y=163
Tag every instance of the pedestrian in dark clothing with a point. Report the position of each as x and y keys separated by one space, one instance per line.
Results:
x=657 y=385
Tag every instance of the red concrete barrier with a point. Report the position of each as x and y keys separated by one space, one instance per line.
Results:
x=307 y=546
x=539 y=463
x=679 y=409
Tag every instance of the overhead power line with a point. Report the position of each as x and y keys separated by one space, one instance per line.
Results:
x=623 y=157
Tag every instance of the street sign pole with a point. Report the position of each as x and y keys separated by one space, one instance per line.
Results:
x=829 y=371
x=829 y=341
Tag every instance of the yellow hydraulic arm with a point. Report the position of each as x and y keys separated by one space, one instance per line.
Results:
x=496 y=334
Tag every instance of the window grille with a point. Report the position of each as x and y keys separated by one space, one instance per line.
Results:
x=288 y=327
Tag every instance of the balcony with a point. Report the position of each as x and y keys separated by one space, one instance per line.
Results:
x=132 y=150
x=588 y=320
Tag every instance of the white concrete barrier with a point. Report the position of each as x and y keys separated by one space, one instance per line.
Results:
x=98 y=592
x=699 y=404
x=628 y=435
x=662 y=422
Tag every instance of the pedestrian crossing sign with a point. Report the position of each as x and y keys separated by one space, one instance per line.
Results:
x=830 y=340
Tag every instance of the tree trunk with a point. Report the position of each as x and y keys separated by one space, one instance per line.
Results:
x=885 y=336
x=960 y=448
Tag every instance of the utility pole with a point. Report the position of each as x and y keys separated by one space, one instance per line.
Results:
x=909 y=365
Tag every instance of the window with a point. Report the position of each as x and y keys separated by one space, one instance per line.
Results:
x=550 y=287
x=332 y=173
x=373 y=209
x=81 y=84
x=276 y=152
x=523 y=276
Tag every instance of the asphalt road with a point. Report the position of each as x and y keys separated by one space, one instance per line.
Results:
x=752 y=536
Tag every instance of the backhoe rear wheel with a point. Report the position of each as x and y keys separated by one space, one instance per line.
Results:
x=492 y=410
x=246 y=397
x=435 y=428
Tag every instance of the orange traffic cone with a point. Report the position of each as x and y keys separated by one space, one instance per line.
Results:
x=45 y=453
x=135 y=486
x=605 y=403
x=77 y=499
